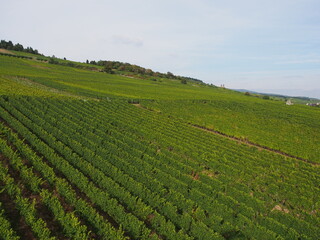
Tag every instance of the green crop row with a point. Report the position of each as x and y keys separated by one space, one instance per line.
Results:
x=62 y=187
x=6 y=231
x=69 y=222
x=164 y=179
x=174 y=181
x=24 y=206
x=89 y=154
x=131 y=117
x=104 y=118
x=270 y=123
x=135 y=206
x=17 y=56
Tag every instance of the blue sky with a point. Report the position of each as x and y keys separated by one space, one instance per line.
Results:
x=270 y=46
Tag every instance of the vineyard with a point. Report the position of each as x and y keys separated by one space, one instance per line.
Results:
x=91 y=155
x=129 y=173
x=292 y=130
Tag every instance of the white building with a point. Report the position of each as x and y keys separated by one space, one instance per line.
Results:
x=289 y=102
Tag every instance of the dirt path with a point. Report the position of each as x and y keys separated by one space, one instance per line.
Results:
x=6 y=51
x=260 y=147
x=239 y=140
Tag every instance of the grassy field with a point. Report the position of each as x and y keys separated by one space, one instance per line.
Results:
x=78 y=161
x=98 y=84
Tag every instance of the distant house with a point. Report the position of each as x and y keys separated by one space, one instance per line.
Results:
x=313 y=104
x=289 y=102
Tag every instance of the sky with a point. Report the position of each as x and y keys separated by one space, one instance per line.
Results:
x=268 y=46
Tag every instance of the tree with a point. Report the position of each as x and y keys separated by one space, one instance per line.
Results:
x=184 y=81
x=3 y=44
x=53 y=60
x=149 y=72
x=170 y=75
x=10 y=45
x=29 y=50
x=108 y=68
x=266 y=97
x=18 y=47
x=122 y=68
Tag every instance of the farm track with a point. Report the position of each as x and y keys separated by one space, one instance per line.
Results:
x=260 y=147
x=239 y=140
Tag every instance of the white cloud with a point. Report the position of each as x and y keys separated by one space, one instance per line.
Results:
x=210 y=40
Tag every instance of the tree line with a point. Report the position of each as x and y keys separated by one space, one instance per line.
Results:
x=108 y=66
x=115 y=66
x=17 y=47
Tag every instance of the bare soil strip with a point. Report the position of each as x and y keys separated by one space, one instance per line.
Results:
x=239 y=140
x=6 y=51
x=260 y=147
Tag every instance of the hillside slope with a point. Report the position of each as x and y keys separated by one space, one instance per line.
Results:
x=80 y=161
x=291 y=129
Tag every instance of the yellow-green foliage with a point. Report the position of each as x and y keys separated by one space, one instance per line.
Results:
x=292 y=129
x=98 y=84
